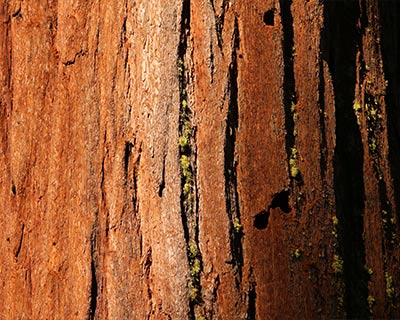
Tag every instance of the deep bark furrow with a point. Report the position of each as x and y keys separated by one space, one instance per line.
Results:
x=187 y=158
x=93 y=291
x=251 y=297
x=231 y=192
x=251 y=308
x=348 y=175
x=161 y=185
x=135 y=176
x=289 y=97
x=127 y=155
x=21 y=239
x=219 y=19
x=146 y=268
x=93 y=273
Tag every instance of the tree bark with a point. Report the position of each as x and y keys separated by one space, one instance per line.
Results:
x=199 y=159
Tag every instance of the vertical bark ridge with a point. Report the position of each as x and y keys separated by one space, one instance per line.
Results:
x=390 y=40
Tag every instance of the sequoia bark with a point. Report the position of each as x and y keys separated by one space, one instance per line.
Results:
x=199 y=159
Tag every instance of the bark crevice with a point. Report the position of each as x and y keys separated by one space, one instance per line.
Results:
x=21 y=240
x=146 y=265
x=219 y=21
x=93 y=273
x=187 y=162
x=251 y=299
x=290 y=97
x=341 y=39
x=230 y=165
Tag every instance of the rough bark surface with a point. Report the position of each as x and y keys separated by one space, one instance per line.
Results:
x=199 y=159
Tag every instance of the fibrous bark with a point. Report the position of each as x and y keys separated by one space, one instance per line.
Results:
x=199 y=159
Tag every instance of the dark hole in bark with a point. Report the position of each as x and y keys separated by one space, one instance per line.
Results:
x=13 y=189
x=269 y=17
x=281 y=200
x=261 y=220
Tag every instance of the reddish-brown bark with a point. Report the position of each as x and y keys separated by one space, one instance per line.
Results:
x=199 y=159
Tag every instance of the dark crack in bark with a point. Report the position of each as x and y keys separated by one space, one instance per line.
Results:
x=341 y=39
x=231 y=192
x=187 y=161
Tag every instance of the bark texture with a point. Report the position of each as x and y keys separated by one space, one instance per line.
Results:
x=199 y=159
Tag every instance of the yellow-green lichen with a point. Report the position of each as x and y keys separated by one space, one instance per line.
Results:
x=357 y=111
x=183 y=142
x=369 y=270
x=193 y=252
x=188 y=196
x=187 y=188
x=335 y=221
x=372 y=144
x=185 y=165
x=293 y=107
x=193 y=292
x=373 y=112
x=357 y=106
x=371 y=301
x=180 y=67
x=337 y=264
x=187 y=129
x=236 y=225
x=294 y=170
x=374 y=117
x=184 y=104
x=340 y=300
x=389 y=285
x=297 y=253
x=195 y=268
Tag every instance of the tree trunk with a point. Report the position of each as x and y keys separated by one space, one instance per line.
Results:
x=193 y=159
